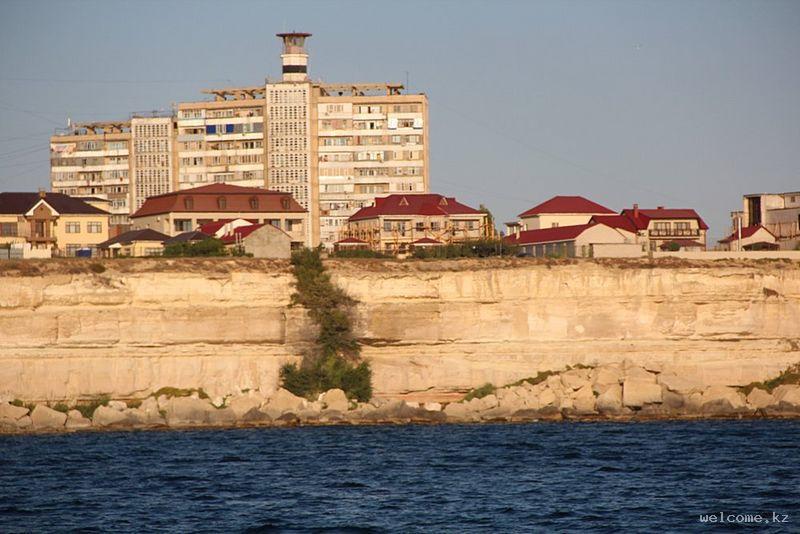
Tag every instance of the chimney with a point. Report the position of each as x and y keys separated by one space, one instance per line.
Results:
x=294 y=57
x=516 y=231
x=636 y=211
x=661 y=207
x=42 y=193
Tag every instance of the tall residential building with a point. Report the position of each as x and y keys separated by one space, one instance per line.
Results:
x=152 y=157
x=334 y=147
x=222 y=141
x=92 y=159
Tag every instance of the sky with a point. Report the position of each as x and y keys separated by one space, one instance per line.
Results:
x=686 y=104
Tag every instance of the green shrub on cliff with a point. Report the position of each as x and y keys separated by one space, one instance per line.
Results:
x=479 y=393
x=207 y=247
x=790 y=375
x=334 y=362
x=481 y=248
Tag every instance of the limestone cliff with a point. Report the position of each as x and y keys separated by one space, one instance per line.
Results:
x=429 y=328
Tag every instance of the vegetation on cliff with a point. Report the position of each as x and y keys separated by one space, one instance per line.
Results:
x=481 y=248
x=335 y=361
x=789 y=376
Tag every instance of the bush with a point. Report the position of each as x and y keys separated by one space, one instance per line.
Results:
x=790 y=375
x=329 y=373
x=468 y=249
x=672 y=246
x=207 y=247
x=479 y=393
x=334 y=362
x=180 y=392
x=61 y=407
x=359 y=253
x=98 y=268
x=87 y=408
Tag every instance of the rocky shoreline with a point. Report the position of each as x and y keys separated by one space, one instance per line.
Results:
x=615 y=392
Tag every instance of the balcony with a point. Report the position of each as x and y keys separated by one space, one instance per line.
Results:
x=690 y=232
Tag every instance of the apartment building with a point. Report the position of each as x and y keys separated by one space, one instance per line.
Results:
x=397 y=223
x=152 y=157
x=52 y=221
x=334 y=147
x=93 y=159
x=221 y=141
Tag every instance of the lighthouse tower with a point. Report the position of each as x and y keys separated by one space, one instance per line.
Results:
x=294 y=56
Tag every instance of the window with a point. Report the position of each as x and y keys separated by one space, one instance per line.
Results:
x=222 y=203
x=285 y=203
x=554 y=225
x=188 y=203
x=8 y=229
x=73 y=227
x=253 y=203
x=72 y=249
x=182 y=225
x=94 y=227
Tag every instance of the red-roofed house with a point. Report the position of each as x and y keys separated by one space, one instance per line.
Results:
x=579 y=240
x=394 y=222
x=188 y=209
x=753 y=238
x=656 y=227
x=561 y=211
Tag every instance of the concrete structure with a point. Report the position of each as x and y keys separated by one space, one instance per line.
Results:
x=190 y=209
x=751 y=238
x=395 y=222
x=134 y=243
x=333 y=147
x=152 y=158
x=260 y=240
x=559 y=211
x=51 y=221
x=779 y=213
x=93 y=159
x=571 y=241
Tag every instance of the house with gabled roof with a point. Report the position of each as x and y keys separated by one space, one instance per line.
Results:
x=393 y=223
x=558 y=211
x=665 y=228
x=51 y=221
x=750 y=238
x=189 y=209
x=577 y=240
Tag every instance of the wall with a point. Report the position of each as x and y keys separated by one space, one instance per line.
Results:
x=429 y=328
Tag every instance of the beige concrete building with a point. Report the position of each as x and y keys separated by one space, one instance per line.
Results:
x=189 y=209
x=152 y=159
x=399 y=222
x=93 y=159
x=259 y=240
x=750 y=238
x=222 y=141
x=661 y=228
x=569 y=241
x=559 y=211
x=334 y=147
x=51 y=221
x=779 y=213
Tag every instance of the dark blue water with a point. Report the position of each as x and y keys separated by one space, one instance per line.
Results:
x=542 y=477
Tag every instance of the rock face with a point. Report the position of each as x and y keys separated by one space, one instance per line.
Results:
x=283 y=401
x=107 y=416
x=637 y=392
x=11 y=412
x=188 y=411
x=76 y=420
x=44 y=418
x=463 y=324
x=335 y=399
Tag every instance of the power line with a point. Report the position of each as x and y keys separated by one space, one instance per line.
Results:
x=85 y=80
x=31 y=113
x=23 y=151
x=22 y=137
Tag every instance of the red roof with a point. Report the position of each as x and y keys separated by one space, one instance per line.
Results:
x=214 y=227
x=747 y=231
x=644 y=216
x=549 y=235
x=207 y=199
x=414 y=204
x=426 y=241
x=566 y=204
x=351 y=240
x=615 y=221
